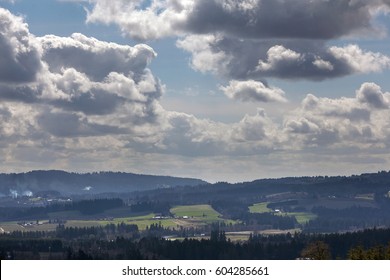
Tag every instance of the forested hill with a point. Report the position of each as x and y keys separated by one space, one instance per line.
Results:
x=186 y=189
x=259 y=190
x=77 y=183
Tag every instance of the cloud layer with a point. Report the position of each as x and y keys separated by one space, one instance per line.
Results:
x=70 y=101
x=255 y=40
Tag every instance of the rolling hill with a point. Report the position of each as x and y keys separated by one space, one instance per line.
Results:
x=67 y=183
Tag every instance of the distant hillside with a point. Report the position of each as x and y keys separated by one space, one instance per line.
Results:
x=76 y=183
x=258 y=190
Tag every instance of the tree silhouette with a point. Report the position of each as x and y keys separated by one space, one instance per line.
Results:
x=317 y=250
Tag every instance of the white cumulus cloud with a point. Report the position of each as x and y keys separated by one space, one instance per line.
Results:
x=253 y=91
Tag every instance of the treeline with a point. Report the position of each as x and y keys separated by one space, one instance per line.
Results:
x=368 y=244
x=102 y=232
x=238 y=210
x=79 y=233
x=85 y=207
x=101 y=182
x=151 y=207
x=111 y=231
x=268 y=221
x=352 y=218
x=256 y=191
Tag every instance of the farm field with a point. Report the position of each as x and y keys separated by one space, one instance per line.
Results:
x=260 y=208
x=203 y=212
x=185 y=216
x=193 y=215
x=14 y=226
x=302 y=217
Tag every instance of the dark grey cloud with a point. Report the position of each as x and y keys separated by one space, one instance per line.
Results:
x=310 y=19
x=64 y=124
x=371 y=94
x=93 y=102
x=5 y=113
x=280 y=19
x=20 y=55
x=21 y=93
x=5 y=116
x=239 y=39
x=287 y=59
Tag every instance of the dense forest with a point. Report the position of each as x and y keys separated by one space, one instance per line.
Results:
x=258 y=190
x=86 y=207
x=67 y=183
x=187 y=190
x=373 y=244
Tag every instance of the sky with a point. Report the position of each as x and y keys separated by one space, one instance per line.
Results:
x=217 y=90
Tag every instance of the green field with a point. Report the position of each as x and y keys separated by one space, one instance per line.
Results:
x=141 y=221
x=259 y=208
x=203 y=211
x=302 y=217
x=196 y=215
x=144 y=221
x=184 y=216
